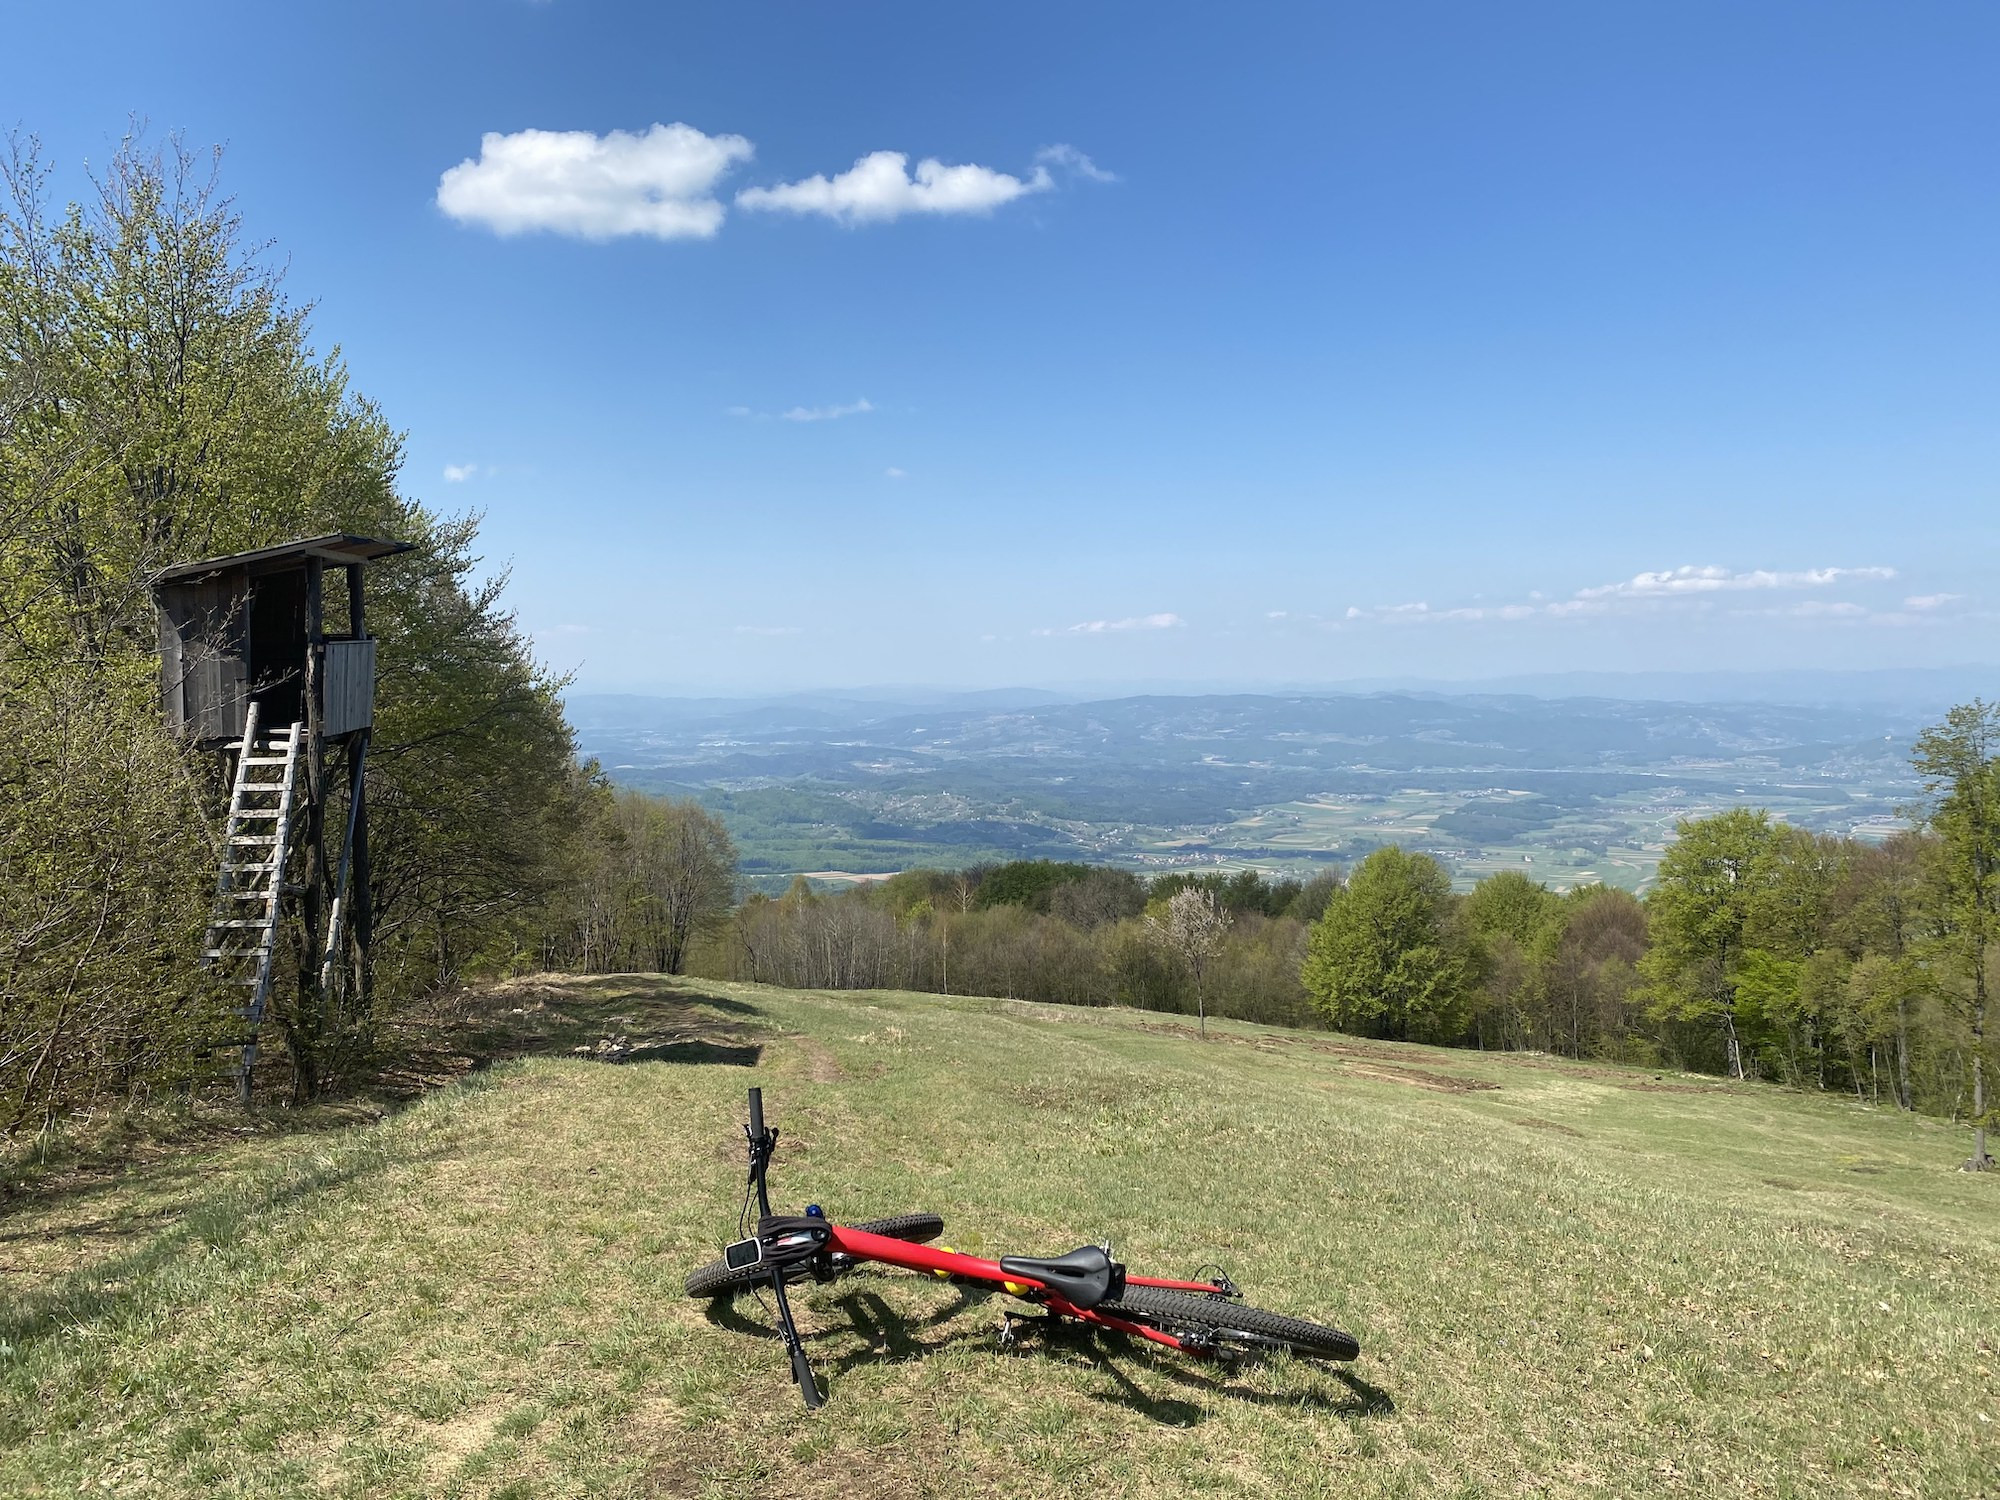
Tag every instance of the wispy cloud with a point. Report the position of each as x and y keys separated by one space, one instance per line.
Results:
x=1421 y=612
x=892 y=472
x=1069 y=159
x=1104 y=627
x=459 y=473
x=770 y=630
x=659 y=183
x=827 y=413
x=1711 y=580
x=831 y=413
x=1689 y=587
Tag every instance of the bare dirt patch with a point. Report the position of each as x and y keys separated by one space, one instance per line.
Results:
x=821 y=1065
x=1443 y=1083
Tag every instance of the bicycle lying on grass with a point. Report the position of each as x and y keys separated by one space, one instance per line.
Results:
x=1205 y=1318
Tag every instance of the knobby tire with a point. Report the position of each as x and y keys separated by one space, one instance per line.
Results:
x=1234 y=1326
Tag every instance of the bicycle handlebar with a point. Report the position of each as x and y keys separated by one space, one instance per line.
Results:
x=757 y=1112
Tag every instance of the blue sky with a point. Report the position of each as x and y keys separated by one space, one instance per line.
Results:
x=1250 y=344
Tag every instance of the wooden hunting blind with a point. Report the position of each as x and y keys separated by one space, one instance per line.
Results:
x=247 y=627
x=248 y=668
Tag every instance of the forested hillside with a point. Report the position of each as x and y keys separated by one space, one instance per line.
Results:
x=1764 y=950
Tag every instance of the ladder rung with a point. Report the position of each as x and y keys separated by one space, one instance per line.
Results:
x=253 y=838
x=232 y=952
x=259 y=812
x=269 y=864
x=266 y=760
x=241 y=922
x=246 y=895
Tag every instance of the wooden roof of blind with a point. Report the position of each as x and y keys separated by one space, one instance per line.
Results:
x=338 y=548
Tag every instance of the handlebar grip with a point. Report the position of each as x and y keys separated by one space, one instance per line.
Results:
x=756 y=1112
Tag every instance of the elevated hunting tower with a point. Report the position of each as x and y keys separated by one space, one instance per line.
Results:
x=249 y=669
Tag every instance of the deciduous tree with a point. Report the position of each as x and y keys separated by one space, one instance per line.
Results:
x=1959 y=761
x=1387 y=957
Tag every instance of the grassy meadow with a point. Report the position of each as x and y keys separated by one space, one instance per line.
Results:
x=1567 y=1279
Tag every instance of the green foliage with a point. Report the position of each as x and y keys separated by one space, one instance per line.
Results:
x=1960 y=763
x=104 y=885
x=1027 y=882
x=159 y=402
x=1709 y=882
x=1388 y=957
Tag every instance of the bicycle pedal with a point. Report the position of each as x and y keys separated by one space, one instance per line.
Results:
x=1008 y=1338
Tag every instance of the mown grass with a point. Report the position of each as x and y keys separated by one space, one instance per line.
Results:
x=1567 y=1280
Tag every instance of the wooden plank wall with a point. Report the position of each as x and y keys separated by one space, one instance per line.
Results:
x=350 y=686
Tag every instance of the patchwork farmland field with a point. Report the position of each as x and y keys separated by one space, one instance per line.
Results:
x=1569 y=791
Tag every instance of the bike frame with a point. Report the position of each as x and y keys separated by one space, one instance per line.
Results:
x=876 y=1247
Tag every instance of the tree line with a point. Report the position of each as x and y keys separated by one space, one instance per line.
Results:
x=1762 y=949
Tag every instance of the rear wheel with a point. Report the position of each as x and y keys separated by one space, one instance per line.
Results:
x=1219 y=1325
x=719 y=1280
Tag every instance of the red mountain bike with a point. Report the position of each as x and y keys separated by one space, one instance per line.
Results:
x=1204 y=1318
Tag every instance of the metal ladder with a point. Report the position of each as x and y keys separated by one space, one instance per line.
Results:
x=242 y=938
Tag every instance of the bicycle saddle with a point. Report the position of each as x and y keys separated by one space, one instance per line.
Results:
x=1084 y=1277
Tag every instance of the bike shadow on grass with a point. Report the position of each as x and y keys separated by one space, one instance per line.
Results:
x=890 y=1337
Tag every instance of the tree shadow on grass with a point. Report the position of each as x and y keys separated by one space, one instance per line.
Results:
x=712 y=1053
x=107 y=1289
x=608 y=1018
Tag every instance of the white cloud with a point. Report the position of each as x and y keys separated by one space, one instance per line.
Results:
x=880 y=187
x=832 y=413
x=1073 y=160
x=1709 y=580
x=827 y=413
x=459 y=473
x=660 y=183
x=1136 y=622
x=1691 y=586
x=1422 y=613
x=768 y=630
x=892 y=472
x=1930 y=601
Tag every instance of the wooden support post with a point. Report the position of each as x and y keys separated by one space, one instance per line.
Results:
x=364 y=894
x=312 y=1000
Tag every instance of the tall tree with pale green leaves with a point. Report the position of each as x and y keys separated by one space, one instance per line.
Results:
x=1388 y=957
x=1708 y=884
x=1959 y=761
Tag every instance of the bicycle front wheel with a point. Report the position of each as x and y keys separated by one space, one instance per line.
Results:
x=1221 y=1325
x=717 y=1279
